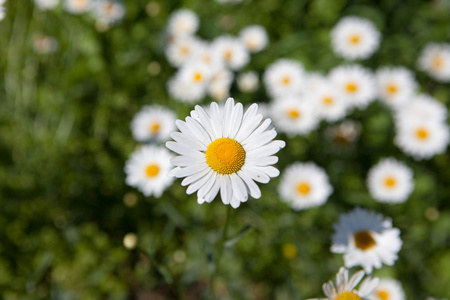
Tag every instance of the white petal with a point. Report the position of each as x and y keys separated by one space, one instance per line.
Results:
x=253 y=188
x=239 y=188
x=226 y=192
x=236 y=119
x=191 y=170
x=198 y=184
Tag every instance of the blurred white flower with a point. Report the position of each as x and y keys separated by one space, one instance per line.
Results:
x=183 y=22
x=248 y=82
x=153 y=123
x=232 y=50
x=328 y=100
x=284 y=77
x=130 y=241
x=435 y=60
x=421 y=108
x=77 y=6
x=396 y=85
x=220 y=83
x=108 y=12
x=181 y=49
x=366 y=239
x=388 y=289
x=254 y=37
x=182 y=91
x=46 y=4
x=44 y=44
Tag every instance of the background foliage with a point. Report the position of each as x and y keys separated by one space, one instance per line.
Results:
x=64 y=139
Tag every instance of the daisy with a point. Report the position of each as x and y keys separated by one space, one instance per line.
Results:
x=181 y=49
x=44 y=44
x=153 y=122
x=46 y=4
x=390 y=181
x=108 y=11
x=366 y=239
x=435 y=60
x=77 y=6
x=220 y=84
x=183 y=22
x=254 y=37
x=2 y=9
x=293 y=116
x=356 y=83
x=147 y=170
x=388 y=289
x=304 y=185
x=181 y=90
x=396 y=85
x=232 y=50
x=328 y=100
x=355 y=38
x=345 y=288
x=284 y=77
x=248 y=82
x=223 y=148
x=422 y=107
x=202 y=52
x=313 y=81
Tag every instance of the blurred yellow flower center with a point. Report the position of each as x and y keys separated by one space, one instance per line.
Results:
x=289 y=250
x=228 y=53
x=347 y=296
x=293 y=113
x=225 y=156
x=184 y=50
x=152 y=170
x=422 y=133
x=285 y=80
x=364 y=240
x=303 y=188
x=154 y=127
x=390 y=182
x=198 y=77
x=351 y=87
x=438 y=61
x=354 y=39
x=383 y=295
x=327 y=101
x=391 y=88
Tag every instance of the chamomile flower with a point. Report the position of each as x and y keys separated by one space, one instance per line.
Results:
x=396 y=85
x=313 y=81
x=390 y=181
x=220 y=83
x=44 y=44
x=147 y=170
x=183 y=91
x=294 y=116
x=153 y=123
x=284 y=77
x=422 y=107
x=183 y=22
x=248 y=82
x=356 y=83
x=2 y=9
x=232 y=50
x=345 y=288
x=46 y=4
x=355 y=38
x=77 y=6
x=329 y=101
x=366 y=239
x=181 y=49
x=435 y=60
x=388 y=289
x=108 y=11
x=254 y=37
x=224 y=149
x=304 y=185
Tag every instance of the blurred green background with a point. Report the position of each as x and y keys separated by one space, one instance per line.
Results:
x=65 y=137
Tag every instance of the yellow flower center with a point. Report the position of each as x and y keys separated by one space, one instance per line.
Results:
x=152 y=170
x=364 y=240
x=347 y=296
x=383 y=295
x=303 y=188
x=285 y=80
x=351 y=87
x=438 y=61
x=354 y=39
x=198 y=77
x=390 y=182
x=225 y=156
x=391 y=88
x=422 y=133
x=293 y=113
x=327 y=101
x=154 y=127
x=184 y=50
x=289 y=250
x=228 y=54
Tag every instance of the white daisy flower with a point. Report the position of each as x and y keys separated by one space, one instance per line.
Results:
x=435 y=60
x=147 y=170
x=223 y=148
x=304 y=185
x=204 y=53
x=108 y=11
x=181 y=49
x=388 y=289
x=294 y=116
x=183 y=22
x=233 y=51
x=356 y=83
x=195 y=74
x=396 y=85
x=422 y=139
x=355 y=38
x=2 y=9
x=366 y=239
x=390 y=181
x=46 y=4
x=220 y=84
x=284 y=77
x=345 y=288
x=329 y=101
x=314 y=81
x=77 y=6
x=183 y=91
x=248 y=82
x=153 y=123
x=254 y=37
x=422 y=107
x=44 y=44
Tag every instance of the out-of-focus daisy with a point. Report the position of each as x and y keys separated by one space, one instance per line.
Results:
x=346 y=132
x=388 y=289
x=345 y=288
x=422 y=139
x=356 y=83
x=390 y=181
x=108 y=11
x=355 y=38
x=220 y=83
x=366 y=239
x=44 y=44
x=248 y=82
x=254 y=37
x=77 y=6
x=313 y=81
x=223 y=148
x=46 y=4
x=396 y=85
x=153 y=123
x=232 y=50
x=147 y=170
x=329 y=101
x=2 y=9
x=183 y=91
x=202 y=52
x=229 y=1
x=422 y=108
x=195 y=74
x=183 y=22
x=435 y=60
x=304 y=185
x=181 y=49
x=293 y=116
x=284 y=77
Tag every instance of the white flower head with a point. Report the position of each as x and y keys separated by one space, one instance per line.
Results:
x=181 y=90
x=422 y=107
x=329 y=102
x=356 y=83
x=388 y=289
x=248 y=82
x=224 y=149
x=304 y=185
x=202 y=52
x=46 y=4
x=181 y=49
x=345 y=287
x=314 y=81
x=435 y=60
x=232 y=50
x=220 y=84
x=396 y=85
x=390 y=181
x=147 y=170
x=44 y=44
x=254 y=37
x=108 y=11
x=77 y=6
x=284 y=77
x=355 y=38
x=366 y=239
x=183 y=22
x=153 y=123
